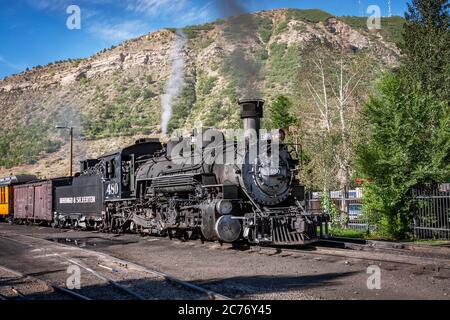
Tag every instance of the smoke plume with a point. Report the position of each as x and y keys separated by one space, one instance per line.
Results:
x=176 y=79
x=241 y=29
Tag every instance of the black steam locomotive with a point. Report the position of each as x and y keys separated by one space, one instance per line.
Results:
x=189 y=188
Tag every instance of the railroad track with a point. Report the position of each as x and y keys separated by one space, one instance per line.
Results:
x=121 y=267
x=363 y=253
x=49 y=285
x=361 y=244
x=350 y=251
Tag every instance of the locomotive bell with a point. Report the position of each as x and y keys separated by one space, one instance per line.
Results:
x=251 y=114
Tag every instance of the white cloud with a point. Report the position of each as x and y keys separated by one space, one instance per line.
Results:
x=119 y=31
x=197 y=15
x=155 y=8
x=10 y=64
x=181 y=11
x=61 y=5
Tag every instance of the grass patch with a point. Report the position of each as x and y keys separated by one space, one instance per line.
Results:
x=348 y=233
x=265 y=28
x=283 y=64
x=183 y=106
x=281 y=27
x=391 y=28
x=430 y=242
x=206 y=84
x=313 y=15
x=23 y=144
x=192 y=31
x=207 y=42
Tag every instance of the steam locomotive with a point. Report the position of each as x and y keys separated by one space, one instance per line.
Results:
x=189 y=188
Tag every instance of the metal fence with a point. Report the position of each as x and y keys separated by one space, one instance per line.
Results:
x=432 y=216
x=353 y=205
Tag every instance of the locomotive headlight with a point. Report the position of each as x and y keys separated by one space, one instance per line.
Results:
x=224 y=207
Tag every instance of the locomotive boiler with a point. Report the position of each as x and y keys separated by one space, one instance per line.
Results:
x=210 y=187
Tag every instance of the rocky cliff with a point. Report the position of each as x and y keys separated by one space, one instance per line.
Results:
x=114 y=96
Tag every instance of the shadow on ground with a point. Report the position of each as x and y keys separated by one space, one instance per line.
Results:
x=235 y=287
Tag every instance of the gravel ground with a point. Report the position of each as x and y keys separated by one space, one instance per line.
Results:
x=27 y=286
x=49 y=262
x=248 y=275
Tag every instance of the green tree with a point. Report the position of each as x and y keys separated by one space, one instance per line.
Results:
x=409 y=145
x=280 y=113
x=426 y=45
x=408 y=122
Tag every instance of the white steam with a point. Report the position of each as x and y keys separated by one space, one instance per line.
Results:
x=176 y=80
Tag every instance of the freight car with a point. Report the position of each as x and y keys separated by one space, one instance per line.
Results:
x=59 y=202
x=7 y=193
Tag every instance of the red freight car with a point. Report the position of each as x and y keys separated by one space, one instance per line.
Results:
x=33 y=202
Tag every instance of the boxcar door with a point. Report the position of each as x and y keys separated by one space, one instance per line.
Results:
x=29 y=208
x=43 y=201
x=20 y=202
x=38 y=203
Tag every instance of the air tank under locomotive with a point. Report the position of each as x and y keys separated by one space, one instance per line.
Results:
x=194 y=190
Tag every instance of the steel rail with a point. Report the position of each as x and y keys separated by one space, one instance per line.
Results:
x=170 y=278
x=47 y=283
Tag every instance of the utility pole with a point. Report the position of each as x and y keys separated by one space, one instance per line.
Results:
x=71 y=146
x=71 y=151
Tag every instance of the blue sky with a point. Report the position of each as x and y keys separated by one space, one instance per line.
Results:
x=34 y=32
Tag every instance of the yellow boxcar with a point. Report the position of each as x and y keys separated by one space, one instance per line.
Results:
x=6 y=201
x=7 y=194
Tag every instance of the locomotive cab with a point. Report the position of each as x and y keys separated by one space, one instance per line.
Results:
x=119 y=168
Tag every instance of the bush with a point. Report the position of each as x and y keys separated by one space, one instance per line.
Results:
x=148 y=94
x=206 y=84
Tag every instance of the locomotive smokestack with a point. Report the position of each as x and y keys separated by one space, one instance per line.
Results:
x=251 y=114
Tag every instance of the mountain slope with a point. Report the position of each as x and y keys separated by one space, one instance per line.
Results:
x=117 y=92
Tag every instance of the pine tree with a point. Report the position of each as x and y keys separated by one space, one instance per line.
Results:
x=409 y=121
x=280 y=116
